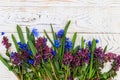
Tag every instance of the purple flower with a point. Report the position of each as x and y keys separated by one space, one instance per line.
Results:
x=35 y=32
x=110 y=56
x=6 y=43
x=83 y=54
x=47 y=53
x=67 y=59
x=40 y=42
x=57 y=43
x=117 y=63
x=37 y=59
x=2 y=33
x=60 y=33
x=16 y=59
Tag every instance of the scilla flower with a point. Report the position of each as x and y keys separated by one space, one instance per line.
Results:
x=57 y=43
x=60 y=33
x=2 y=33
x=68 y=44
x=30 y=61
x=35 y=32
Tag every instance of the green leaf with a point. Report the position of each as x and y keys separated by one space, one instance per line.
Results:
x=7 y=53
x=76 y=49
x=32 y=47
x=28 y=33
x=64 y=39
x=82 y=43
x=5 y=63
x=48 y=38
x=74 y=39
x=48 y=72
x=93 y=45
x=53 y=33
x=20 y=34
x=105 y=49
x=15 y=43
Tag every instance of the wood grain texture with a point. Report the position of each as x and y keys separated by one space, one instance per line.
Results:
x=90 y=18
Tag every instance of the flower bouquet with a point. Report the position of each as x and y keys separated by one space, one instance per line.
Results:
x=34 y=59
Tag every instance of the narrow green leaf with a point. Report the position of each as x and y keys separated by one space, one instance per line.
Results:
x=76 y=49
x=74 y=39
x=53 y=33
x=93 y=45
x=82 y=43
x=15 y=43
x=20 y=34
x=32 y=47
x=5 y=63
x=48 y=38
x=64 y=39
x=7 y=53
x=105 y=49
x=28 y=33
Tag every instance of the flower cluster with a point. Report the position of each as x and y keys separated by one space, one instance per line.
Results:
x=34 y=59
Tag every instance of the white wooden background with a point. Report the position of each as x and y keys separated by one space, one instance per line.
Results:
x=90 y=18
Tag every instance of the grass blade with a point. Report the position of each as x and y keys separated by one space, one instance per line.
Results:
x=15 y=43
x=20 y=34
x=5 y=63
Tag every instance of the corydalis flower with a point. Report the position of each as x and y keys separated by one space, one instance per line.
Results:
x=37 y=59
x=16 y=58
x=117 y=63
x=6 y=43
x=57 y=43
x=35 y=32
x=110 y=56
x=60 y=33
x=83 y=54
x=67 y=59
x=40 y=42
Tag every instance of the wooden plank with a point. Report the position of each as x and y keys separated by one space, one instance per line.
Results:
x=83 y=19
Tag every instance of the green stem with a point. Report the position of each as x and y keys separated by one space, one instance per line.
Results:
x=66 y=73
x=53 y=71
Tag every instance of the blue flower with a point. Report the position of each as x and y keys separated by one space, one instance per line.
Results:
x=89 y=43
x=89 y=55
x=60 y=33
x=68 y=44
x=97 y=41
x=12 y=55
x=29 y=52
x=23 y=46
x=2 y=33
x=31 y=61
x=57 y=43
x=54 y=52
x=35 y=32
